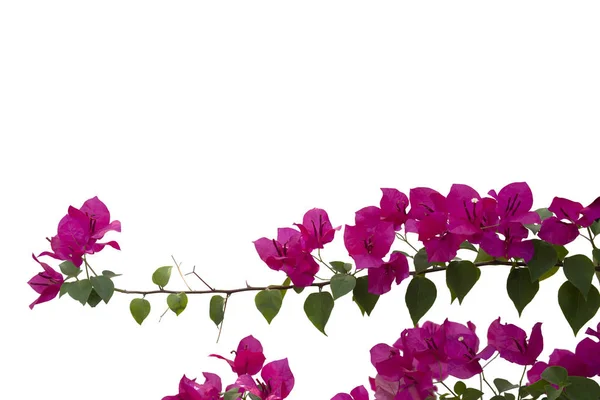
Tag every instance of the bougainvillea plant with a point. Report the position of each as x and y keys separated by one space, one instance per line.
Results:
x=500 y=229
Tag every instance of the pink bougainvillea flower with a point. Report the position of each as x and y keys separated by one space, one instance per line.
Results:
x=389 y=362
x=393 y=206
x=189 y=389
x=511 y=342
x=590 y=214
x=370 y=239
x=249 y=357
x=316 y=229
x=358 y=393
x=514 y=204
x=380 y=279
x=46 y=283
x=287 y=254
x=79 y=230
x=511 y=245
x=278 y=381
x=563 y=228
x=469 y=214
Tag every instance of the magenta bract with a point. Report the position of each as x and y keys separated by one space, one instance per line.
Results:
x=46 y=283
x=249 y=357
x=370 y=239
x=380 y=279
x=189 y=389
x=316 y=229
x=512 y=344
x=79 y=231
x=278 y=381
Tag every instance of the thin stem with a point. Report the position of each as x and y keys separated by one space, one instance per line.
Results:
x=198 y=276
x=224 y=309
x=447 y=388
x=405 y=240
x=493 y=358
x=319 y=259
x=487 y=383
x=521 y=382
x=180 y=274
x=591 y=237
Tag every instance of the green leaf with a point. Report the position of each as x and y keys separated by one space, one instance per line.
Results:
x=461 y=276
x=421 y=261
x=556 y=375
x=535 y=389
x=63 y=289
x=579 y=270
x=552 y=393
x=318 y=308
x=534 y=228
x=509 y=396
x=341 y=285
x=177 y=302
x=472 y=394
x=341 y=267
x=298 y=289
x=420 y=296
x=360 y=295
x=520 y=288
x=561 y=251
x=596 y=255
x=482 y=256
x=217 y=309
x=285 y=283
x=139 y=308
x=232 y=394
x=460 y=387
x=503 y=385
x=549 y=273
x=253 y=396
x=544 y=213
x=69 y=269
x=576 y=309
x=595 y=227
x=109 y=274
x=80 y=290
x=582 y=389
x=94 y=299
x=466 y=245
x=103 y=286
x=161 y=276
x=268 y=303
x=544 y=258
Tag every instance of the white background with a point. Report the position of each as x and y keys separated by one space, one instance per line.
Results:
x=206 y=125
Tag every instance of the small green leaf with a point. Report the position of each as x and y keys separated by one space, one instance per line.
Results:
x=268 y=303
x=544 y=258
x=536 y=389
x=232 y=394
x=341 y=267
x=341 y=285
x=285 y=283
x=549 y=273
x=520 y=288
x=466 y=245
x=63 y=289
x=576 y=309
x=139 y=308
x=556 y=375
x=69 y=269
x=420 y=296
x=80 y=290
x=561 y=251
x=503 y=385
x=482 y=256
x=421 y=261
x=544 y=213
x=461 y=276
x=94 y=299
x=534 y=228
x=161 y=276
x=177 y=302
x=298 y=289
x=579 y=270
x=581 y=388
x=360 y=295
x=217 y=309
x=596 y=255
x=460 y=387
x=318 y=307
x=103 y=286
x=509 y=396
x=109 y=274
x=472 y=394
x=552 y=393
x=595 y=227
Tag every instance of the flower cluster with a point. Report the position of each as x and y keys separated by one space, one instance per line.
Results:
x=278 y=380
x=78 y=234
x=291 y=251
